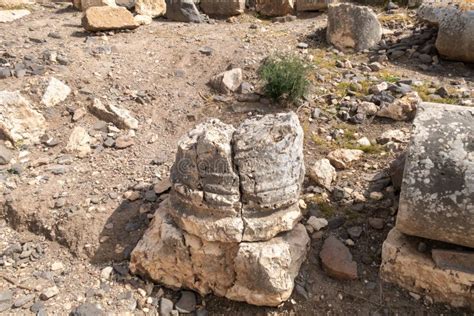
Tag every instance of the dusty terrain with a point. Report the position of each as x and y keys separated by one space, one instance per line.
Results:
x=78 y=221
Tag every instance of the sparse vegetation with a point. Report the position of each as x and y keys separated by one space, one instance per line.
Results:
x=285 y=77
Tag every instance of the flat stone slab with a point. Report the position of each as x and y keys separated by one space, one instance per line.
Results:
x=259 y=273
x=12 y=15
x=437 y=194
x=403 y=265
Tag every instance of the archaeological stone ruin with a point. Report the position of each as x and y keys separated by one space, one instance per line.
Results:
x=231 y=222
x=436 y=203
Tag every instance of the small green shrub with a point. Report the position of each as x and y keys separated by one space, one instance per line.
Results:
x=285 y=77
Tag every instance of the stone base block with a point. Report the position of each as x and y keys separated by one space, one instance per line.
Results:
x=403 y=265
x=259 y=273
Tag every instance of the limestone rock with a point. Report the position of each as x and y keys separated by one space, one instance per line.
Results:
x=182 y=11
x=337 y=260
x=317 y=223
x=269 y=157
x=228 y=81
x=14 y=4
x=260 y=273
x=12 y=15
x=86 y=4
x=5 y=155
x=405 y=266
x=223 y=7
x=120 y=117
x=323 y=173
x=19 y=121
x=79 y=142
x=153 y=8
x=107 y=19
x=56 y=92
x=274 y=7
x=143 y=19
x=341 y=158
x=455 y=38
x=437 y=195
x=402 y=109
x=232 y=185
x=352 y=27
x=312 y=5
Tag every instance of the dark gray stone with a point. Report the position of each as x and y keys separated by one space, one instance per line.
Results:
x=437 y=195
x=87 y=309
x=182 y=11
x=187 y=302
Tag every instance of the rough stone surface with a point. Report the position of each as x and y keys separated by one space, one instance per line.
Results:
x=312 y=5
x=454 y=260
x=341 y=158
x=232 y=185
x=323 y=173
x=402 y=109
x=352 y=27
x=56 y=92
x=79 y=142
x=274 y=7
x=405 y=266
x=19 y=121
x=86 y=4
x=337 y=260
x=182 y=11
x=5 y=155
x=455 y=38
x=120 y=117
x=259 y=273
x=437 y=195
x=12 y=15
x=223 y=7
x=108 y=19
x=228 y=81
x=153 y=8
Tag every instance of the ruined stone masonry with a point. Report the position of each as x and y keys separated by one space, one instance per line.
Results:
x=437 y=203
x=231 y=222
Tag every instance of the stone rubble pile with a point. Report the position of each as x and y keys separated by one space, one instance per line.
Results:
x=230 y=226
x=436 y=203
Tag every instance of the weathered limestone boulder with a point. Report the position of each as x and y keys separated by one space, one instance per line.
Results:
x=227 y=81
x=108 y=19
x=259 y=273
x=223 y=7
x=12 y=15
x=405 y=266
x=312 y=5
x=56 y=92
x=437 y=194
x=455 y=29
x=182 y=11
x=153 y=8
x=352 y=27
x=274 y=7
x=239 y=185
x=86 y=4
x=19 y=121
x=120 y=117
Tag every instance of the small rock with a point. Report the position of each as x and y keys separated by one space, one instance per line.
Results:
x=87 y=309
x=377 y=223
x=5 y=155
x=206 y=50
x=341 y=158
x=376 y=196
x=55 y=93
x=166 y=306
x=187 y=302
x=131 y=195
x=302 y=45
x=49 y=293
x=123 y=142
x=23 y=300
x=354 y=232
x=337 y=260
x=107 y=18
x=106 y=272
x=57 y=266
x=228 y=81
x=317 y=223
x=364 y=141
x=5 y=300
x=323 y=173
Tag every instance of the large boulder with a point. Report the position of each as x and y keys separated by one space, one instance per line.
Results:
x=313 y=5
x=437 y=194
x=259 y=273
x=108 y=19
x=182 y=11
x=223 y=7
x=455 y=30
x=239 y=185
x=19 y=121
x=352 y=27
x=275 y=7
x=153 y=8
x=407 y=267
